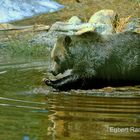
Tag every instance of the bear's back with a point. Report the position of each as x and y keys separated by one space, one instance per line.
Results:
x=110 y=57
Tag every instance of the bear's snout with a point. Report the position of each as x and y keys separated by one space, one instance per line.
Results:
x=55 y=69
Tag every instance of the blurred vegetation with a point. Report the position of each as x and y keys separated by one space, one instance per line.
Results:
x=19 y=45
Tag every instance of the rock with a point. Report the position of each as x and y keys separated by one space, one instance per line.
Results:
x=103 y=16
x=133 y=25
x=85 y=30
x=101 y=22
x=104 y=21
x=74 y=20
x=69 y=28
x=49 y=38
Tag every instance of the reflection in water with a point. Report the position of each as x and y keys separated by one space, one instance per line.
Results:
x=89 y=118
x=70 y=117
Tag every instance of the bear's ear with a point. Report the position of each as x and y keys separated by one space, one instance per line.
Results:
x=67 y=41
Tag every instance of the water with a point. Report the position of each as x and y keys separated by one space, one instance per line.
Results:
x=29 y=110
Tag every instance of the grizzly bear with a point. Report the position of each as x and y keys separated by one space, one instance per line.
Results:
x=96 y=60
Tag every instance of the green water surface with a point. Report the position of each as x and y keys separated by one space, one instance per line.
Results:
x=29 y=110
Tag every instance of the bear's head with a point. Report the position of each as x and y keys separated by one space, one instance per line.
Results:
x=71 y=52
x=60 y=55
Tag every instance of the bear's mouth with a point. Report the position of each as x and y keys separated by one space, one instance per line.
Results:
x=53 y=73
x=65 y=73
